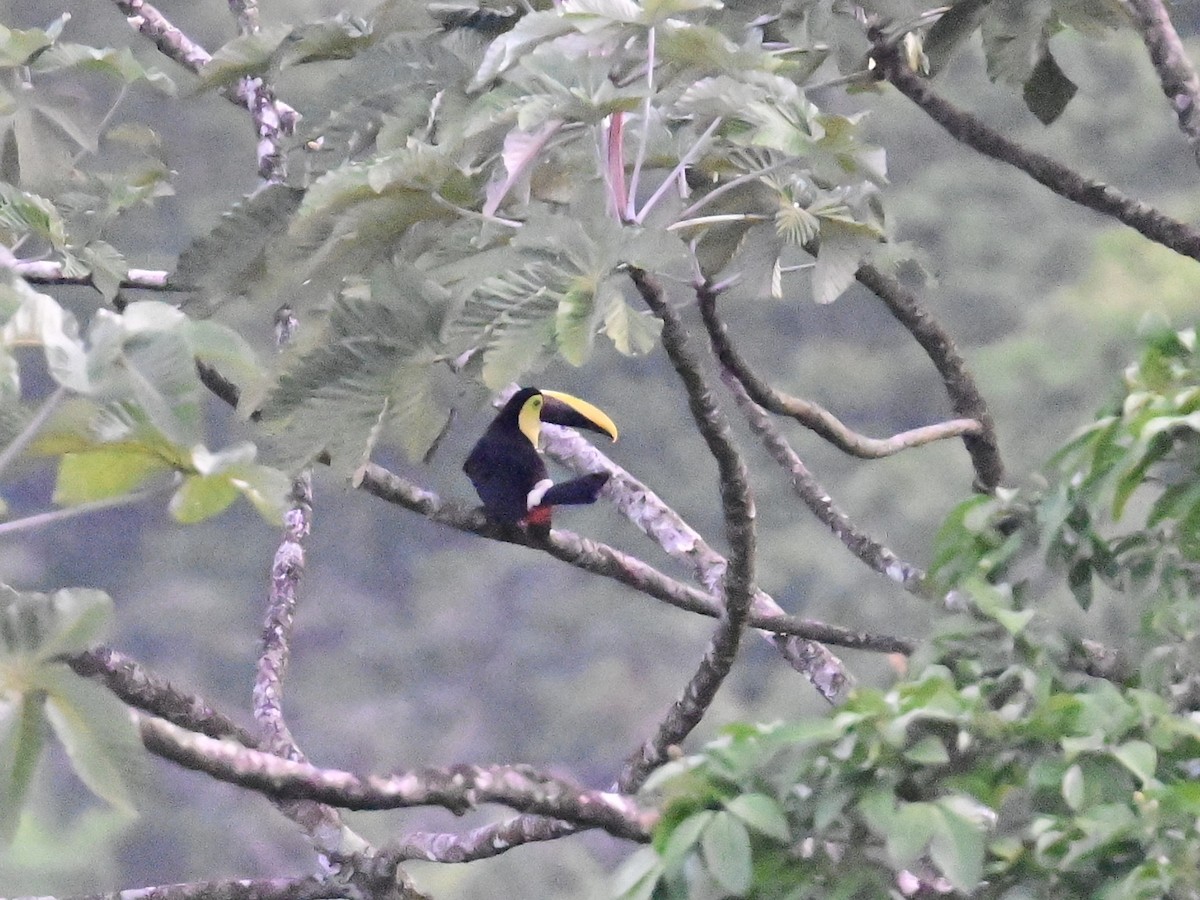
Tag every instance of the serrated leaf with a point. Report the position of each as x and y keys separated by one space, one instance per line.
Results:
x=21 y=740
x=246 y=55
x=339 y=37
x=222 y=262
x=725 y=847
x=97 y=732
x=1048 y=89
x=106 y=265
x=683 y=838
x=762 y=813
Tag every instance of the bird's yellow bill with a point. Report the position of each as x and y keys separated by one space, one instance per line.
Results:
x=596 y=416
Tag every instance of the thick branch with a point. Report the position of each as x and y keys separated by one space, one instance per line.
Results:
x=1175 y=71
x=815 y=417
x=458 y=788
x=871 y=552
x=1095 y=195
x=480 y=843
x=150 y=693
x=601 y=559
x=964 y=395
x=310 y=888
x=737 y=505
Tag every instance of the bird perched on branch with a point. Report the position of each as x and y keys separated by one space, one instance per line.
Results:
x=508 y=472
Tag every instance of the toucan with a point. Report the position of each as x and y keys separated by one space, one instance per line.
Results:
x=508 y=472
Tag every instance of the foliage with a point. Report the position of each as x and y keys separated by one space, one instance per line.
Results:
x=1003 y=763
x=39 y=691
x=461 y=208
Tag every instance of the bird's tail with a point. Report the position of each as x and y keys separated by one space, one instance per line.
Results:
x=584 y=489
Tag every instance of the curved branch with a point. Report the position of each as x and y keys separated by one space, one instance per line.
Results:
x=313 y=887
x=812 y=416
x=964 y=395
x=458 y=788
x=737 y=504
x=1095 y=195
x=874 y=554
x=1175 y=71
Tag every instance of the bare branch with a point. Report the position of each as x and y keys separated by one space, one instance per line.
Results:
x=150 y=693
x=815 y=417
x=737 y=504
x=309 y=888
x=645 y=509
x=458 y=788
x=273 y=119
x=481 y=843
x=1095 y=195
x=874 y=554
x=39 y=271
x=964 y=395
x=601 y=559
x=1175 y=71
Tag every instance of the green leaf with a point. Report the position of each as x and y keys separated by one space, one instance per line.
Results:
x=1048 y=90
x=1014 y=38
x=909 y=832
x=41 y=322
x=339 y=37
x=249 y=54
x=224 y=262
x=633 y=333
x=21 y=740
x=18 y=47
x=1140 y=758
x=38 y=627
x=504 y=52
x=843 y=246
x=683 y=839
x=951 y=31
x=762 y=813
x=120 y=64
x=97 y=732
x=201 y=497
x=638 y=876
x=107 y=471
x=958 y=848
x=1073 y=787
x=928 y=751
x=725 y=847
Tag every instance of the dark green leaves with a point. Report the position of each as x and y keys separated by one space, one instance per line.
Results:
x=40 y=694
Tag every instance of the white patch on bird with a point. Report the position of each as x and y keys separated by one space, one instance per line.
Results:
x=534 y=497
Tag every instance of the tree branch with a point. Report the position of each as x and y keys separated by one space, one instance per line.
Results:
x=601 y=559
x=273 y=119
x=737 y=506
x=310 y=888
x=1095 y=195
x=40 y=271
x=813 y=416
x=964 y=395
x=458 y=788
x=875 y=555
x=1175 y=71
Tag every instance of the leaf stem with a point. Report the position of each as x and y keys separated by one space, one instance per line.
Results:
x=70 y=512
x=32 y=427
x=683 y=163
x=643 y=139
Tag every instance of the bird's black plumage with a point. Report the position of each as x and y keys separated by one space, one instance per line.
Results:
x=505 y=465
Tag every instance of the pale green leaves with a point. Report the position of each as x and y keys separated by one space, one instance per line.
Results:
x=38 y=690
x=135 y=412
x=374 y=371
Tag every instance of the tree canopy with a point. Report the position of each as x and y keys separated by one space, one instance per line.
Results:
x=263 y=269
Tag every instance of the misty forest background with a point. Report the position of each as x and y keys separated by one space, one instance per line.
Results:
x=416 y=644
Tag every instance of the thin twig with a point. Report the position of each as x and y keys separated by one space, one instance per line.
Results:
x=812 y=415
x=37 y=271
x=457 y=788
x=39 y=520
x=1095 y=195
x=18 y=444
x=875 y=555
x=1175 y=71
